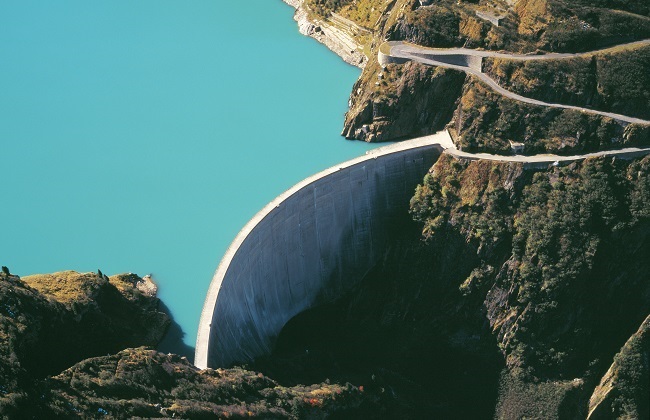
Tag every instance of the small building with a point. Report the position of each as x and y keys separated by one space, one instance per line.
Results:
x=517 y=147
x=425 y=2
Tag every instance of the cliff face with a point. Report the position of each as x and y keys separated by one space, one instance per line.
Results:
x=623 y=391
x=401 y=101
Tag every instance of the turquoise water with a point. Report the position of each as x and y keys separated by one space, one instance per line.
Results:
x=140 y=136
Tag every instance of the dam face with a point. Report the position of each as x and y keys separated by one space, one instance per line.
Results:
x=307 y=247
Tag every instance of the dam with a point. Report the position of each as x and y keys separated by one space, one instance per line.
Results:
x=307 y=247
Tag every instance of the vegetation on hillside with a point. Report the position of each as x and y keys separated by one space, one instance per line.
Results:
x=52 y=321
x=549 y=25
x=571 y=242
x=72 y=320
x=527 y=284
x=486 y=121
x=324 y=8
x=144 y=383
x=617 y=81
x=365 y=13
x=623 y=391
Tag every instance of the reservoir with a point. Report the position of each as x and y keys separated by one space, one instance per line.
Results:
x=142 y=136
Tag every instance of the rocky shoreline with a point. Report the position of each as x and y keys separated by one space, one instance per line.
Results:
x=338 y=41
x=78 y=345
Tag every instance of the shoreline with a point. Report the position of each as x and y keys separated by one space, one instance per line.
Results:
x=336 y=40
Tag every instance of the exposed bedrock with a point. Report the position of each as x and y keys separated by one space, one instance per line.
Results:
x=307 y=247
x=397 y=101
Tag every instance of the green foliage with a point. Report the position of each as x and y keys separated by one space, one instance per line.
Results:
x=624 y=82
x=433 y=26
x=554 y=229
x=641 y=7
x=487 y=121
x=520 y=399
x=632 y=376
x=574 y=28
x=615 y=81
x=141 y=382
x=324 y=7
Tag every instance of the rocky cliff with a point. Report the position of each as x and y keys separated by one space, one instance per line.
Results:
x=401 y=100
x=49 y=322
x=623 y=391
x=526 y=286
x=144 y=383
x=63 y=354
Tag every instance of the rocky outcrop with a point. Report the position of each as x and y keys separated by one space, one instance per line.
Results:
x=71 y=321
x=48 y=322
x=144 y=383
x=396 y=101
x=111 y=312
x=332 y=36
x=624 y=390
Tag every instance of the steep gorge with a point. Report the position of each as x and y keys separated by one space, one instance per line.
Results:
x=526 y=286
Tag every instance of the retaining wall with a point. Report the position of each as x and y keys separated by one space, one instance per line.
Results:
x=307 y=247
x=385 y=59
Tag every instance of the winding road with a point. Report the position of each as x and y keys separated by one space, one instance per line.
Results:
x=470 y=61
x=288 y=254
x=444 y=141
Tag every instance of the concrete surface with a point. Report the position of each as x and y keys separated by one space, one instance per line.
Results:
x=318 y=239
x=307 y=247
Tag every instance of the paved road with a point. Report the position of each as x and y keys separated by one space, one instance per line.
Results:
x=412 y=48
x=443 y=139
x=465 y=60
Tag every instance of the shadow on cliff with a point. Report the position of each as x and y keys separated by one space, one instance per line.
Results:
x=402 y=333
x=173 y=342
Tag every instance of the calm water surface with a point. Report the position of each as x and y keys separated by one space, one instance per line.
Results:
x=140 y=136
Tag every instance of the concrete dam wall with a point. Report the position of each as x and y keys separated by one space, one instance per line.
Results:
x=307 y=247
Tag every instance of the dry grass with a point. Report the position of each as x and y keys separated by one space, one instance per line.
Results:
x=66 y=286
x=364 y=12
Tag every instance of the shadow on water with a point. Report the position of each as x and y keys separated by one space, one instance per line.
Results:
x=173 y=340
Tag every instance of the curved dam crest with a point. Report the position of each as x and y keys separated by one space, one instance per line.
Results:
x=307 y=247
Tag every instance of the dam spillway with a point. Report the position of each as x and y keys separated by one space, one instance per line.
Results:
x=307 y=247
